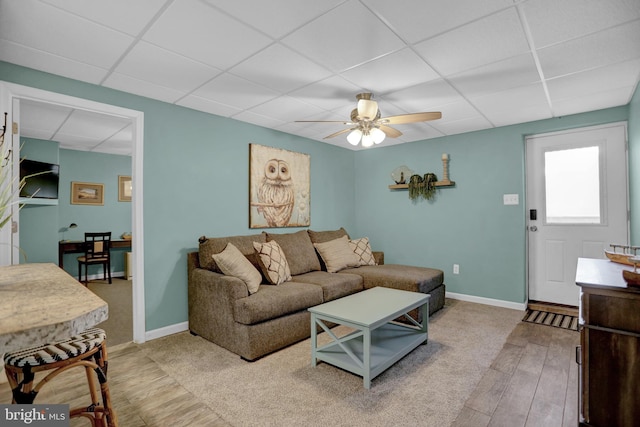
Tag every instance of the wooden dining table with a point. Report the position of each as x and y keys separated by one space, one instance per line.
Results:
x=41 y=303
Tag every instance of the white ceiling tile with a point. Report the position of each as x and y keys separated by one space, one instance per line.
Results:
x=234 y=91
x=344 y=37
x=280 y=69
x=611 y=77
x=328 y=94
x=46 y=117
x=416 y=20
x=39 y=60
x=196 y=30
x=99 y=126
x=275 y=17
x=520 y=70
x=208 y=106
x=391 y=72
x=553 y=21
x=462 y=126
x=97 y=45
x=593 y=101
x=617 y=44
x=143 y=88
x=424 y=97
x=415 y=131
x=258 y=120
x=518 y=105
x=164 y=68
x=123 y=15
x=482 y=42
x=286 y=109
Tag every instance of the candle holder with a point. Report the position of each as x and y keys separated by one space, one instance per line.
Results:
x=445 y=173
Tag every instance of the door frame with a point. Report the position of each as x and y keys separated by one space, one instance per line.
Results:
x=11 y=91
x=624 y=124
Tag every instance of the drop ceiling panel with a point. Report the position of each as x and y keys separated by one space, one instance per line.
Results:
x=142 y=87
x=110 y=14
x=208 y=106
x=331 y=38
x=416 y=20
x=462 y=126
x=594 y=101
x=425 y=97
x=197 y=31
x=81 y=41
x=284 y=108
x=281 y=69
x=88 y=123
x=40 y=120
x=395 y=71
x=518 y=105
x=554 y=21
x=478 y=43
x=235 y=91
x=611 y=46
x=328 y=94
x=275 y=17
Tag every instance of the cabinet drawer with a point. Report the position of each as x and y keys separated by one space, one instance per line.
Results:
x=614 y=312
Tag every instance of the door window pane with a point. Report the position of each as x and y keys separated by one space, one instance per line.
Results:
x=572 y=186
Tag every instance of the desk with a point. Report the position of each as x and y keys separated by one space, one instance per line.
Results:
x=41 y=303
x=76 y=246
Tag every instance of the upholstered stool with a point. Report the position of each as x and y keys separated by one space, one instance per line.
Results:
x=87 y=350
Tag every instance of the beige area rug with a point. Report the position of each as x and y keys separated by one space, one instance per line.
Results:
x=118 y=294
x=428 y=387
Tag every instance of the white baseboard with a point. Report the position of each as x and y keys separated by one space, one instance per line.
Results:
x=487 y=301
x=100 y=276
x=167 y=330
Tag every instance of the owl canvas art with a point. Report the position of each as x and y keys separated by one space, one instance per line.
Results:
x=279 y=188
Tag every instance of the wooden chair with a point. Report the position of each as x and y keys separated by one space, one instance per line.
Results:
x=87 y=350
x=96 y=251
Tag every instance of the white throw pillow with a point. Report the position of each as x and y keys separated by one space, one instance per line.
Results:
x=337 y=254
x=233 y=263
x=362 y=249
x=272 y=261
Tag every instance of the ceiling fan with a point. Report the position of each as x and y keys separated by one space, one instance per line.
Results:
x=367 y=125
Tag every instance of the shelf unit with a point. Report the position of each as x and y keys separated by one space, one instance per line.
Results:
x=436 y=184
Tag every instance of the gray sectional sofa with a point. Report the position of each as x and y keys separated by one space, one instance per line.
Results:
x=222 y=309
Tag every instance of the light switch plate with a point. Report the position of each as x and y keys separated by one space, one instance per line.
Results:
x=510 y=199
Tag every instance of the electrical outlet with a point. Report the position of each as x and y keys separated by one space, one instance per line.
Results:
x=456 y=269
x=510 y=199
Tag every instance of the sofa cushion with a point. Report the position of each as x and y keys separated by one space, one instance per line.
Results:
x=273 y=263
x=333 y=285
x=337 y=254
x=362 y=249
x=233 y=263
x=405 y=277
x=215 y=245
x=325 y=236
x=298 y=250
x=276 y=301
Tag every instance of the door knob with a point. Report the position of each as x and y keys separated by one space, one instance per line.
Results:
x=533 y=228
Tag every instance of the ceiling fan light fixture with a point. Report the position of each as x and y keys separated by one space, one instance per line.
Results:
x=367 y=109
x=378 y=135
x=354 y=137
x=367 y=140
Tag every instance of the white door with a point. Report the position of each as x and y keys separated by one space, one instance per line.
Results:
x=576 y=205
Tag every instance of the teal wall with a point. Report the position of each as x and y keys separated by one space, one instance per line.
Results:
x=468 y=224
x=196 y=183
x=41 y=227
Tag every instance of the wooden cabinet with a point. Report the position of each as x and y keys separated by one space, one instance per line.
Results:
x=610 y=345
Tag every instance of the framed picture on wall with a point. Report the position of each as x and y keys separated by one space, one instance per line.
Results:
x=279 y=188
x=87 y=193
x=124 y=188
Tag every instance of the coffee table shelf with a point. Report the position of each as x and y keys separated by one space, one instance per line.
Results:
x=389 y=343
x=378 y=341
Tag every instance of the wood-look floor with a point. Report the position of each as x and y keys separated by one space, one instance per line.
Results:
x=532 y=382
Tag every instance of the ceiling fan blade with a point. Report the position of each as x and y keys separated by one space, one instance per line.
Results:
x=324 y=121
x=340 y=132
x=390 y=132
x=411 y=118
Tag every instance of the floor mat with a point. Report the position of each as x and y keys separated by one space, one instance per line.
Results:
x=551 y=319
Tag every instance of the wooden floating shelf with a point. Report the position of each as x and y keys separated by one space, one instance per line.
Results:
x=436 y=184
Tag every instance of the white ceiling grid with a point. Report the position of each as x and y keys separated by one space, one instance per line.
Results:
x=482 y=63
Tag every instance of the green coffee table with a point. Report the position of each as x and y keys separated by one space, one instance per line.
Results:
x=378 y=341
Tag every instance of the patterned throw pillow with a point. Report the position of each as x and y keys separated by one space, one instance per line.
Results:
x=233 y=263
x=273 y=263
x=362 y=249
x=337 y=254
